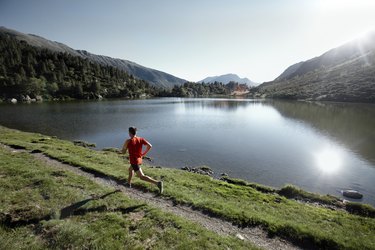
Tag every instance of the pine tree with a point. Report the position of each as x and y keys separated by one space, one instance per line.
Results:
x=3 y=71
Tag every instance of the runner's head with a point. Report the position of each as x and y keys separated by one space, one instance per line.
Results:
x=132 y=131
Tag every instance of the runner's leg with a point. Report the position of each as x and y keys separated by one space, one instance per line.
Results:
x=145 y=177
x=131 y=173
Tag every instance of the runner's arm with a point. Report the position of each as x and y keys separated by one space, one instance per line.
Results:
x=125 y=147
x=148 y=147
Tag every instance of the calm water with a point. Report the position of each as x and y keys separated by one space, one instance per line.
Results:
x=320 y=147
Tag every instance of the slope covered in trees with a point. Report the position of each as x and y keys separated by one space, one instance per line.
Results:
x=154 y=77
x=30 y=71
x=192 y=89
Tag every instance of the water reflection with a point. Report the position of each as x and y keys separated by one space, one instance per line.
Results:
x=349 y=124
x=219 y=104
x=328 y=160
x=243 y=115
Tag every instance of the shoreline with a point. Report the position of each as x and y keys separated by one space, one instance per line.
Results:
x=289 y=213
x=230 y=97
x=291 y=111
x=217 y=176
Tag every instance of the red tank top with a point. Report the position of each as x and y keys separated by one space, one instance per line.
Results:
x=135 y=150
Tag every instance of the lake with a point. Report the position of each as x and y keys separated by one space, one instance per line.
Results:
x=320 y=147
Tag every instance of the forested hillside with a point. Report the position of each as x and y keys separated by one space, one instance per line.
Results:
x=28 y=72
x=192 y=89
x=154 y=77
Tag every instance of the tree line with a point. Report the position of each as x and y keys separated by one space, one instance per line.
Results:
x=26 y=70
x=193 y=89
x=31 y=72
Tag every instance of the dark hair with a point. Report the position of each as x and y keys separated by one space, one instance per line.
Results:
x=133 y=130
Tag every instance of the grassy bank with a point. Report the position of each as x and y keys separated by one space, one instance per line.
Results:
x=240 y=202
x=41 y=207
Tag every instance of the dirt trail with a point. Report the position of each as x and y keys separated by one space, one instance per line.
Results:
x=255 y=235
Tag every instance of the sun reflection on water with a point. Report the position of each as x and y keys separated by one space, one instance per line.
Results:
x=328 y=160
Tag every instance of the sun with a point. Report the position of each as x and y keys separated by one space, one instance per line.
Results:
x=338 y=4
x=328 y=160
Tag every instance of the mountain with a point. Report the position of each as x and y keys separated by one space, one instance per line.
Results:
x=154 y=77
x=28 y=73
x=38 y=41
x=289 y=71
x=345 y=73
x=228 y=78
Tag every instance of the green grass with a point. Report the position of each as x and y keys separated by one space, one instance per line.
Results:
x=239 y=202
x=41 y=207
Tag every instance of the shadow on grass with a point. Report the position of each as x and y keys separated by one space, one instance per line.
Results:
x=71 y=210
x=74 y=209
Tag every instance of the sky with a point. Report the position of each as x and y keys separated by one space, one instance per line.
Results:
x=195 y=39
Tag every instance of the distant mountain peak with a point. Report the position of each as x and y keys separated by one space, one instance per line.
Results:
x=230 y=77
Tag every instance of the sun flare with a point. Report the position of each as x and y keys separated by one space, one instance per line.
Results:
x=328 y=160
x=337 y=4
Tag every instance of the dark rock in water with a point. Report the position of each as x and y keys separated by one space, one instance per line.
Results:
x=84 y=144
x=352 y=194
x=199 y=170
x=155 y=167
x=148 y=158
x=223 y=174
x=205 y=169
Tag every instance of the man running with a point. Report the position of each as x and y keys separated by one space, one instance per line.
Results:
x=135 y=146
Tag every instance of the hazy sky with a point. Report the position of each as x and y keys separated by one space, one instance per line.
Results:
x=193 y=39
